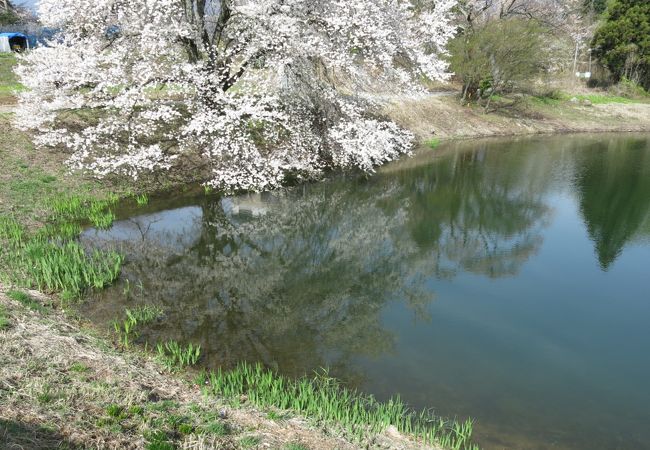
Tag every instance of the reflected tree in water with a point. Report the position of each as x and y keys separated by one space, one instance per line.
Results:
x=614 y=188
x=298 y=279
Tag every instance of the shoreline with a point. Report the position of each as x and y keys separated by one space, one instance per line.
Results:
x=442 y=117
x=58 y=372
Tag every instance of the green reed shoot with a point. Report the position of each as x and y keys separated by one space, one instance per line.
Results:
x=173 y=355
x=101 y=219
x=324 y=399
x=53 y=265
x=75 y=208
x=144 y=314
x=142 y=200
x=126 y=329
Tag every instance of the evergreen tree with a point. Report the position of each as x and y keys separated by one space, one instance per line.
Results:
x=622 y=42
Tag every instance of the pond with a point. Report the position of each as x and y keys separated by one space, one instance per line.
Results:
x=504 y=280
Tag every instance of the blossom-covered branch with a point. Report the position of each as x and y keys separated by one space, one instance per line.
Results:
x=248 y=87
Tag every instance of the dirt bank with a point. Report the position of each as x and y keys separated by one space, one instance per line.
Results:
x=443 y=116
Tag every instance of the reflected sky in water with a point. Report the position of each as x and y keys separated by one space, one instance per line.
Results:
x=502 y=280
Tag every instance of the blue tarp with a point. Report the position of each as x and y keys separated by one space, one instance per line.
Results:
x=13 y=35
x=30 y=39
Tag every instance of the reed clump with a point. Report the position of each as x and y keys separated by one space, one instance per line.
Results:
x=175 y=356
x=53 y=264
x=126 y=329
x=326 y=400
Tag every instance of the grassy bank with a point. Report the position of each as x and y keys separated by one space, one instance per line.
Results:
x=62 y=386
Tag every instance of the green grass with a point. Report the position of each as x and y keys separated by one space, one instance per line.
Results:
x=8 y=83
x=558 y=98
x=295 y=447
x=326 y=400
x=216 y=428
x=78 y=208
x=126 y=329
x=249 y=441
x=4 y=319
x=46 y=395
x=433 y=143
x=53 y=265
x=142 y=199
x=144 y=314
x=116 y=411
x=26 y=300
x=175 y=356
x=79 y=368
x=600 y=99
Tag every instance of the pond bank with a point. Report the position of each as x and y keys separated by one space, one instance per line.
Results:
x=65 y=387
x=442 y=116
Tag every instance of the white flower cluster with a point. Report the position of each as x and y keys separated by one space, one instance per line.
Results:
x=247 y=86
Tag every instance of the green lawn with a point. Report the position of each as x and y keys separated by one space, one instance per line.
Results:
x=8 y=83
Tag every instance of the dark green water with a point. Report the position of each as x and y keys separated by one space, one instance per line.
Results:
x=508 y=281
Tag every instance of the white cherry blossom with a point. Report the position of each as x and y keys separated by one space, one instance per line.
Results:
x=255 y=90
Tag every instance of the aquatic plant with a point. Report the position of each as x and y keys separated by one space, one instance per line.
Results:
x=142 y=200
x=325 y=399
x=126 y=329
x=49 y=265
x=173 y=355
x=77 y=208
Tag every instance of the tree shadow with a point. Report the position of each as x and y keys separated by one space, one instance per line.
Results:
x=22 y=436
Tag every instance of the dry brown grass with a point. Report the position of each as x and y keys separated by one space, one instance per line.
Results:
x=443 y=116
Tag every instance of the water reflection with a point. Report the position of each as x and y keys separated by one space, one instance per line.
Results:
x=613 y=186
x=465 y=282
x=297 y=279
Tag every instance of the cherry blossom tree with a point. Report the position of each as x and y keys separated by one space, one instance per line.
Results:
x=249 y=90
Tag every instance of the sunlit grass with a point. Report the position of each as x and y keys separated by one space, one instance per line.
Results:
x=600 y=99
x=26 y=300
x=173 y=355
x=324 y=399
x=4 y=319
x=142 y=199
x=53 y=265
x=8 y=83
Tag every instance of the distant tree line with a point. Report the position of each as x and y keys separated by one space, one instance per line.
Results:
x=8 y=14
x=517 y=45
